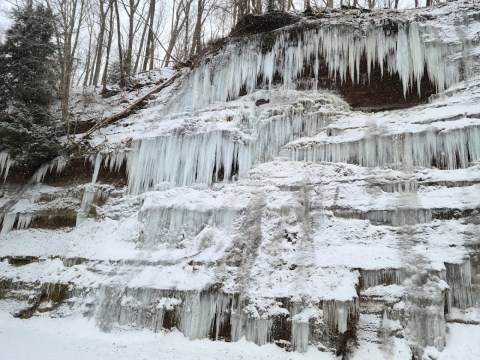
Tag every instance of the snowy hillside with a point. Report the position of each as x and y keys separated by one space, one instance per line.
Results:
x=316 y=187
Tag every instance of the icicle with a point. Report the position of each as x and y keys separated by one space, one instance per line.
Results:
x=8 y=222
x=405 y=53
x=452 y=149
x=96 y=169
x=337 y=314
x=372 y=278
x=204 y=158
x=459 y=278
x=58 y=164
x=173 y=224
x=5 y=163
x=24 y=220
x=255 y=329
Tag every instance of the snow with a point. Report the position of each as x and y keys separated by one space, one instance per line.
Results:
x=79 y=338
x=299 y=211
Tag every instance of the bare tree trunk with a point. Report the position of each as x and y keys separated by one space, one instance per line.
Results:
x=174 y=33
x=140 y=46
x=149 y=47
x=197 y=33
x=120 y=50
x=101 y=36
x=94 y=63
x=130 y=8
x=70 y=14
x=109 y=47
x=89 y=53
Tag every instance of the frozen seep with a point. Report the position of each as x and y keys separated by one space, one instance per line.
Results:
x=171 y=225
x=217 y=155
x=372 y=278
x=393 y=217
x=424 y=319
x=254 y=329
x=301 y=327
x=452 y=149
x=407 y=186
x=91 y=194
x=408 y=53
x=196 y=314
x=463 y=294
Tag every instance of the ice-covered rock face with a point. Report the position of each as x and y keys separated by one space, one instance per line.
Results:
x=318 y=53
x=272 y=210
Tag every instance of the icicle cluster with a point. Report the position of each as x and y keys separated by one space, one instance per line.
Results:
x=337 y=314
x=372 y=278
x=213 y=315
x=196 y=315
x=462 y=292
x=23 y=221
x=219 y=155
x=406 y=53
x=113 y=162
x=58 y=165
x=255 y=329
x=452 y=149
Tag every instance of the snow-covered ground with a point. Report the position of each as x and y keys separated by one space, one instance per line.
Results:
x=79 y=338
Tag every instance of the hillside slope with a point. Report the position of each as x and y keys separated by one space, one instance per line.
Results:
x=314 y=185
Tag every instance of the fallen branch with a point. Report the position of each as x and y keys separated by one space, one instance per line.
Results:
x=126 y=112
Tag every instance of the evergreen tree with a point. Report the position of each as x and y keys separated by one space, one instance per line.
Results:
x=27 y=87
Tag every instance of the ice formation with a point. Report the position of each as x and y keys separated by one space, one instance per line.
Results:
x=5 y=163
x=218 y=155
x=453 y=149
x=8 y=222
x=408 y=52
x=171 y=225
x=463 y=294
x=295 y=220
x=58 y=165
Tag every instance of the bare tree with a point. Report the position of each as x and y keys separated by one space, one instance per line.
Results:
x=130 y=7
x=104 y=8
x=70 y=15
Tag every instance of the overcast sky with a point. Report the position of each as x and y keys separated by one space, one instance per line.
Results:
x=4 y=21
